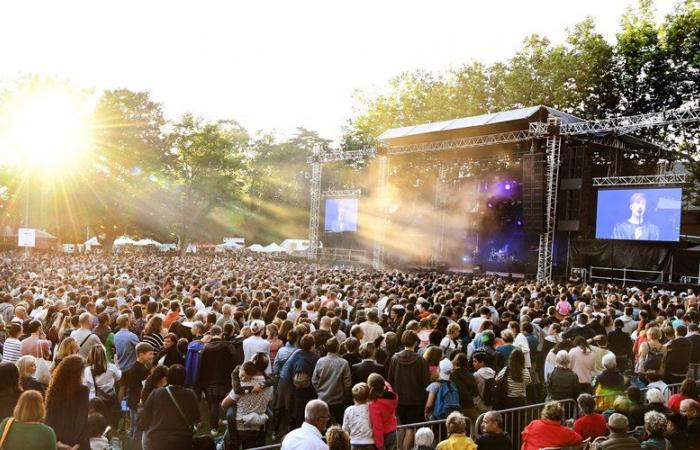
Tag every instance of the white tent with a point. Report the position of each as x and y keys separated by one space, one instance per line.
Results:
x=93 y=242
x=146 y=242
x=274 y=248
x=123 y=240
x=256 y=248
x=229 y=245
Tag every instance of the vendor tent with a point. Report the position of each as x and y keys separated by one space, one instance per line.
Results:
x=146 y=242
x=274 y=248
x=123 y=240
x=256 y=248
x=92 y=242
x=229 y=245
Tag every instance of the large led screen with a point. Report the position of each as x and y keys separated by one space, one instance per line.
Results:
x=341 y=215
x=639 y=214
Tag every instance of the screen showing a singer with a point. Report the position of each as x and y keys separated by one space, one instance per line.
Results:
x=639 y=214
x=341 y=215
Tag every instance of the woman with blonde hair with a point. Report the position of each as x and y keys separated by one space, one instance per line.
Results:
x=27 y=367
x=24 y=430
x=101 y=378
x=69 y=346
x=651 y=352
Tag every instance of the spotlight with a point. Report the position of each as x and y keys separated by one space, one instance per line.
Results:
x=507 y=186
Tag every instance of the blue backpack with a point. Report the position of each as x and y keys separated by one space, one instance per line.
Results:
x=194 y=349
x=446 y=400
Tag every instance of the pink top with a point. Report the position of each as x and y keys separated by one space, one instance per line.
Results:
x=563 y=307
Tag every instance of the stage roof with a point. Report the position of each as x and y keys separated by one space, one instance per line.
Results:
x=513 y=115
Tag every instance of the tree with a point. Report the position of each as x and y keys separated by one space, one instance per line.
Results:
x=204 y=169
x=129 y=144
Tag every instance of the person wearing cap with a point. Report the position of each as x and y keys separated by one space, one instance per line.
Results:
x=444 y=372
x=256 y=344
x=618 y=439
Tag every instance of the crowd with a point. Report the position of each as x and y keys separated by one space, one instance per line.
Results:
x=177 y=353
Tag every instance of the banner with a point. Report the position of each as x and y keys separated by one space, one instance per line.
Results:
x=26 y=237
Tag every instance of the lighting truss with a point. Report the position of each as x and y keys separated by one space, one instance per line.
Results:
x=344 y=155
x=466 y=142
x=546 y=247
x=341 y=193
x=315 y=202
x=622 y=125
x=640 y=180
x=378 y=250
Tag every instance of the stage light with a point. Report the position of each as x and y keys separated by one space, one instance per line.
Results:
x=519 y=223
x=507 y=186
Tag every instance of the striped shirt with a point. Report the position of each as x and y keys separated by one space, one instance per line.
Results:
x=155 y=340
x=515 y=388
x=12 y=350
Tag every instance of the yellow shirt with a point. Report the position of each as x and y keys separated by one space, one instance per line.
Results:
x=457 y=441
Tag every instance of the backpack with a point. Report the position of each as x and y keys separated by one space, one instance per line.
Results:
x=194 y=350
x=446 y=400
x=302 y=380
x=653 y=360
x=491 y=393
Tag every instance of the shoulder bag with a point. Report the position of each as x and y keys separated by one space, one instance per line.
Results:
x=6 y=431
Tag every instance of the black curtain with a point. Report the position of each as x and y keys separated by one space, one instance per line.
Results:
x=621 y=255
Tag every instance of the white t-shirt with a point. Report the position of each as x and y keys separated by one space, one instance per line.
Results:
x=254 y=345
x=357 y=424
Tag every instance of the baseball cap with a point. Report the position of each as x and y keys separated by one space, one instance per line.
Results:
x=446 y=368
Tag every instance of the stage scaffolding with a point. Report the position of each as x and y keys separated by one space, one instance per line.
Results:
x=552 y=131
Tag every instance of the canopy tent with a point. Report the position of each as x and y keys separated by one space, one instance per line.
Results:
x=256 y=248
x=274 y=248
x=92 y=242
x=146 y=242
x=229 y=245
x=123 y=240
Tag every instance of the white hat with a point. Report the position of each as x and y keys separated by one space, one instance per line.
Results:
x=446 y=368
x=257 y=326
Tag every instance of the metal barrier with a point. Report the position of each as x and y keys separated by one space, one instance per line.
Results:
x=614 y=274
x=514 y=419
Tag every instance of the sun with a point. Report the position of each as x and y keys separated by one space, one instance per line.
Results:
x=48 y=130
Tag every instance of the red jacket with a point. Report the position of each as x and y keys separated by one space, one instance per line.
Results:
x=548 y=433
x=382 y=415
x=591 y=426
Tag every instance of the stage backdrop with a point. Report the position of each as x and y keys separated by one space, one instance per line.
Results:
x=621 y=255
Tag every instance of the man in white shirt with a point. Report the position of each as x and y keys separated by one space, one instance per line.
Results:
x=521 y=342
x=310 y=435
x=370 y=328
x=256 y=344
x=475 y=323
x=84 y=336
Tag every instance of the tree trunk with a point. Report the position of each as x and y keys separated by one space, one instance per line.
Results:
x=110 y=236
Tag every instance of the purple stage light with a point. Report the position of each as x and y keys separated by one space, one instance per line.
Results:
x=507 y=186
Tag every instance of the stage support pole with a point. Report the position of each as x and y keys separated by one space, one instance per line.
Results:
x=378 y=250
x=546 y=247
x=315 y=202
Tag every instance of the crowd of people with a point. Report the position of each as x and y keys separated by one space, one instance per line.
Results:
x=180 y=353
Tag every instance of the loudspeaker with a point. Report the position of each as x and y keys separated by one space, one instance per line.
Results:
x=533 y=192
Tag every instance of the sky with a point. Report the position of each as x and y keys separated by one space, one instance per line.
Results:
x=274 y=65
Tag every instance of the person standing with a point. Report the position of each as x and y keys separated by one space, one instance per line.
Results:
x=137 y=374
x=382 y=412
x=67 y=404
x=356 y=421
x=170 y=414
x=371 y=330
x=216 y=363
x=309 y=436
x=84 y=335
x=300 y=368
x=409 y=375
x=24 y=429
x=256 y=344
x=332 y=380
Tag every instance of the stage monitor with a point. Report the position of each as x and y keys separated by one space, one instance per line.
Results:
x=642 y=214
x=341 y=215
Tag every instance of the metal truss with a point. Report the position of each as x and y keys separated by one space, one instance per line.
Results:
x=639 y=180
x=340 y=193
x=622 y=125
x=378 y=251
x=546 y=247
x=467 y=142
x=440 y=198
x=344 y=155
x=315 y=202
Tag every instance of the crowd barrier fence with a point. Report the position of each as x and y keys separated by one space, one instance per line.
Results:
x=514 y=419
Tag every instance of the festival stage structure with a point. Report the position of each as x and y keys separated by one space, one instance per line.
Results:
x=562 y=159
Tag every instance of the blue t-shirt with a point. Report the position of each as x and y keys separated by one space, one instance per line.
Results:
x=125 y=344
